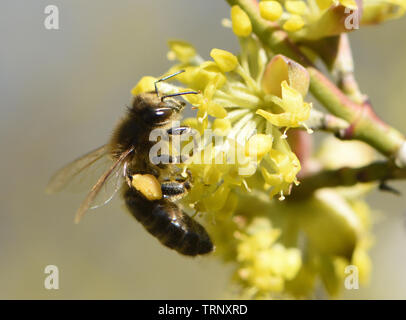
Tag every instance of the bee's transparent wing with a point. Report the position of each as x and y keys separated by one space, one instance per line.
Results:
x=115 y=170
x=80 y=175
x=74 y=171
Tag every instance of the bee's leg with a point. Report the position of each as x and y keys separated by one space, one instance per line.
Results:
x=168 y=159
x=177 y=131
x=175 y=189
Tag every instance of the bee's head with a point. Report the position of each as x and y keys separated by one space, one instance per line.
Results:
x=156 y=111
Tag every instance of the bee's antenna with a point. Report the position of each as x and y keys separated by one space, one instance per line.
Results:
x=179 y=94
x=166 y=78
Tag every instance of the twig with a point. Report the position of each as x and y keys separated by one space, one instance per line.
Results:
x=377 y=171
x=344 y=69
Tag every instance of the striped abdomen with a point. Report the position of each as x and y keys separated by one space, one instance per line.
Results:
x=165 y=221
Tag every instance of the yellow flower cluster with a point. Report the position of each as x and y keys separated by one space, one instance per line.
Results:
x=264 y=264
x=313 y=241
x=236 y=105
x=315 y=19
x=248 y=103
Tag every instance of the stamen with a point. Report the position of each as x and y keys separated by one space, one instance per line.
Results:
x=309 y=130
x=248 y=80
x=284 y=135
x=246 y=185
x=239 y=125
x=201 y=119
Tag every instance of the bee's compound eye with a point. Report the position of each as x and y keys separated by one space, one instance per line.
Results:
x=163 y=112
x=158 y=115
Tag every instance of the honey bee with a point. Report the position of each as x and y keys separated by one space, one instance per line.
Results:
x=150 y=189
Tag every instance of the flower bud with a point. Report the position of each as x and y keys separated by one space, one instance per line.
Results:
x=270 y=10
x=146 y=84
x=294 y=23
x=241 y=22
x=225 y=60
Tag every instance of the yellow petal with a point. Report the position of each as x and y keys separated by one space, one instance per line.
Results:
x=292 y=99
x=258 y=145
x=216 y=110
x=282 y=68
x=272 y=179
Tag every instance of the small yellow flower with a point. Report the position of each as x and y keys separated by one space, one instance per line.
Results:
x=295 y=110
x=258 y=145
x=288 y=164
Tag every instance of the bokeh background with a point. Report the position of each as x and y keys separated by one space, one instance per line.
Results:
x=62 y=91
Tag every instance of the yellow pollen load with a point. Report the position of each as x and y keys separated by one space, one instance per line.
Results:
x=270 y=10
x=241 y=22
x=148 y=185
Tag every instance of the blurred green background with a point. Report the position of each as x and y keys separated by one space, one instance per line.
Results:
x=61 y=94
